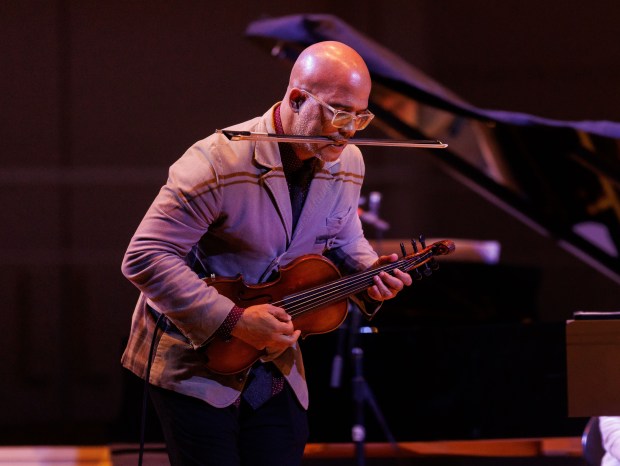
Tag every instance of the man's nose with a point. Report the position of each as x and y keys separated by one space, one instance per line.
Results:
x=348 y=130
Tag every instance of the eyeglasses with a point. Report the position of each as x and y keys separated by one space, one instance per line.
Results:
x=342 y=118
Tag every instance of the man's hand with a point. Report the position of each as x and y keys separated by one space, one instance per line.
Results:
x=387 y=286
x=266 y=327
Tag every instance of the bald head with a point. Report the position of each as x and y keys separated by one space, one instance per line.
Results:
x=328 y=64
x=326 y=77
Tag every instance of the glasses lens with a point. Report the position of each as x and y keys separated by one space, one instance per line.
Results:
x=363 y=120
x=341 y=119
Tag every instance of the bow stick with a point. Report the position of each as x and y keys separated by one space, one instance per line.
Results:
x=252 y=136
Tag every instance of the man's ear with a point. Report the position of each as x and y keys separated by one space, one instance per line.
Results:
x=296 y=98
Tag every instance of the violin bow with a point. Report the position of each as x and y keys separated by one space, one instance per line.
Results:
x=270 y=137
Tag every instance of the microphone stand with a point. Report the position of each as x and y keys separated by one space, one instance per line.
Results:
x=362 y=394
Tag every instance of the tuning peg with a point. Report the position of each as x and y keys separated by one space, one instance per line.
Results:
x=426 y=270
x=432 y=263
x=415 y=273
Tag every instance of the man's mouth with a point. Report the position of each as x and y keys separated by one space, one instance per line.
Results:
x=338 y=142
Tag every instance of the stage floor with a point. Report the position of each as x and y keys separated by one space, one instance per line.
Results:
x=539 y=451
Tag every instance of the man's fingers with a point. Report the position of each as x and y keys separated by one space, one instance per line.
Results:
x=290 y=338
x=280 y=314
x=284 y=341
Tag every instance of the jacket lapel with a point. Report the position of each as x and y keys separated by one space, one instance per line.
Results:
x=268 y=155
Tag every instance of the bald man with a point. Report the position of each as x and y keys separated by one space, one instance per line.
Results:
x=250 y=208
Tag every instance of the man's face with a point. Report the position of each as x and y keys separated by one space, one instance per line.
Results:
x=315 y=119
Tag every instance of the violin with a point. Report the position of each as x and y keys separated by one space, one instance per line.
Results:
x=312 y=291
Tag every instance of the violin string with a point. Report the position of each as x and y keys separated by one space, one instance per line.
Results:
x=312 y=298
x=305 y=302
x=350 y=287
x=290 y=301
x=293 y=301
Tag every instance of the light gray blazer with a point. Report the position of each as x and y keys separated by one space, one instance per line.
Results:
x=228 y=203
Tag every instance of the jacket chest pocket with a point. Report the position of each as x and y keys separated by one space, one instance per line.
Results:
x=333 y=225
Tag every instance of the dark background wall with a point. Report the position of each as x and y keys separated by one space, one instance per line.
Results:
x=99 y=98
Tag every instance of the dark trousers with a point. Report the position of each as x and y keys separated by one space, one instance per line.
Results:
x=196 y=433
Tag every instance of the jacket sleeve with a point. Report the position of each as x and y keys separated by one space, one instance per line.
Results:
x=155 y=261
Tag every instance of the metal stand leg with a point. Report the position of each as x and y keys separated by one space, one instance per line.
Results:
x=362 y=394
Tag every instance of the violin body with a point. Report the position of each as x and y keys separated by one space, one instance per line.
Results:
x=305 y=272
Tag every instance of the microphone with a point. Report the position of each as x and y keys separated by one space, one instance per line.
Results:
x=374 y=201
x=371 y=216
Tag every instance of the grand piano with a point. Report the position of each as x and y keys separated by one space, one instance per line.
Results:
x=560 y=177
x=490 y=376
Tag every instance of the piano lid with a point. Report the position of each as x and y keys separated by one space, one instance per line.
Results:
x=562 y=178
